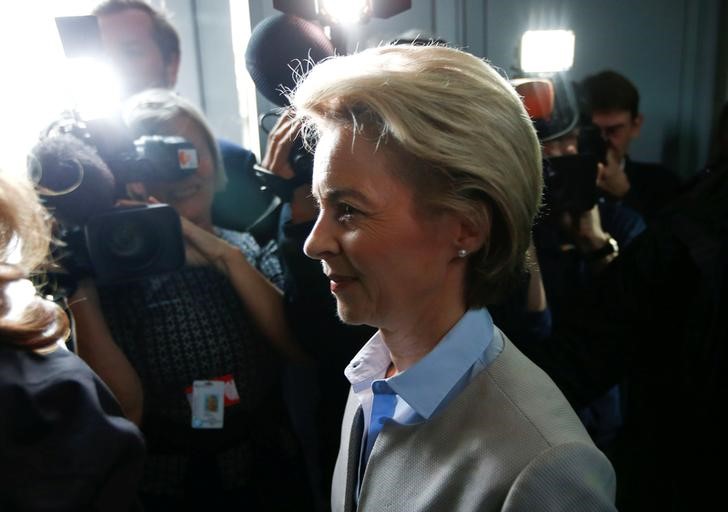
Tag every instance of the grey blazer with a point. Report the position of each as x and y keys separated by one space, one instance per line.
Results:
x=509 y=441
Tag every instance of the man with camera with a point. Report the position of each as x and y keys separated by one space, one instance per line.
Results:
x=144 y=47
x=613 y=102
x=578 y=236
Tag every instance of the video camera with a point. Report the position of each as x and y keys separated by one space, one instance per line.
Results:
x=569 y=180
x=81 y=169
x=279 y=45
x=300 y=160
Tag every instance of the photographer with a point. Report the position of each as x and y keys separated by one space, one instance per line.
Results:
x=215 y=324
x=144 y=47
x=613 y=102
x=574 y=247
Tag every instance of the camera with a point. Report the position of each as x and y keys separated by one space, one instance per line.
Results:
x=570 y=180
x=570 y=183
x=81 y=170
x=301 y=161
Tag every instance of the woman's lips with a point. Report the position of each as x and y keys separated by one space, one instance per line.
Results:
x=338 y=282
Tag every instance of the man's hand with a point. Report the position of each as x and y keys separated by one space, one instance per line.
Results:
x=585 y=231
x=280 y=143
x=611 y=177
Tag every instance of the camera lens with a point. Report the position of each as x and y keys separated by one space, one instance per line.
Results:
x=132 y=244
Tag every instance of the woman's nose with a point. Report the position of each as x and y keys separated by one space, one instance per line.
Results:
x=321 y=242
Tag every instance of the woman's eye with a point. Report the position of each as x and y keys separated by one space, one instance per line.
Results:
x=346 y=212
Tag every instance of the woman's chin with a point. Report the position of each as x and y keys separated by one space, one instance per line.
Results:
x=350 y=315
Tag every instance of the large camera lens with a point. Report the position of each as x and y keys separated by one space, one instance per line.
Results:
x=132 y=243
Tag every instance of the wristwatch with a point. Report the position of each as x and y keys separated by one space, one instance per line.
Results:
x=611 y=247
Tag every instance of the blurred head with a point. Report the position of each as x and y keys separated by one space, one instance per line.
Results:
x=142 y=43
x=163 y=112
x=614 y=105
x=423 y=152
x=26 y=320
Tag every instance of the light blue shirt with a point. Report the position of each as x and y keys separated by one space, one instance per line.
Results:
x=414 y=395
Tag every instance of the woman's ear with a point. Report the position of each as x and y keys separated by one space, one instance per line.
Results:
x=473 y=233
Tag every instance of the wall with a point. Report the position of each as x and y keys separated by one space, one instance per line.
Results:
x=207 y=71
x=668 y=48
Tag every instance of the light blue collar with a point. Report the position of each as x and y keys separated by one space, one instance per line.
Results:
x=430 y=381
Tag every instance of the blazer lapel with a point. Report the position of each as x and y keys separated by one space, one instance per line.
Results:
x=352 y=465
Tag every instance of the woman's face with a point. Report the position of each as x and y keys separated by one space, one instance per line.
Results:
x=191 y=197
x=388 y=263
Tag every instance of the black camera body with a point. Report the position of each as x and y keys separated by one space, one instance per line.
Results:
x=570 y=181
x=123 y=244
x=81 y=170
x=129 y=243
x=301 y=161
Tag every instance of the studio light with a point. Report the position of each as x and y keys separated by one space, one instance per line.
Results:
x=94 y=86
x=547 y=51
x=346 y=12
x=342 y=12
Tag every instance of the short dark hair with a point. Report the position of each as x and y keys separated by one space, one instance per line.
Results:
x=165 y=35
x=608 y=91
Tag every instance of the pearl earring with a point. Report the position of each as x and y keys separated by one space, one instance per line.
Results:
x=462 y=253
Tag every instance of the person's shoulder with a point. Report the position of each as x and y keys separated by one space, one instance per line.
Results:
x=536 y=401
x=58 y=386
x=237 y=238
x=240 y=239
x=66 y=429
x=27 y=366
x=575 y=469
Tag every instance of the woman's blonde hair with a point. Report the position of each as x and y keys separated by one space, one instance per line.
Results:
x=154 y=112
x=473 y=148
x=29 y=322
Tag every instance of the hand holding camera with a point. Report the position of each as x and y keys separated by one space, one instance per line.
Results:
x=611 y=177
x=287 y=167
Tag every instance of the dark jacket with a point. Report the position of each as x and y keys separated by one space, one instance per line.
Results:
x=658 y=317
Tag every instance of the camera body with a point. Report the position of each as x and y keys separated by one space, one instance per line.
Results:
x=81 y=170
x=128 y=243
x=301 y=161
x=570 y=181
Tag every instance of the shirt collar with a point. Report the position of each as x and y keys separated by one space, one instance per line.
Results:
x=426 y=384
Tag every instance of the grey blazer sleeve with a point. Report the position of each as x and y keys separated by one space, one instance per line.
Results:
x=568 y=477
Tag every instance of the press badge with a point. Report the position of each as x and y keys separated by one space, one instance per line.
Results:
x=208 y=403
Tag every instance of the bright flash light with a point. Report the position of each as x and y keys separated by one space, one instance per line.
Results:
x=547 y=51
x=344 y=12
x=94 y=86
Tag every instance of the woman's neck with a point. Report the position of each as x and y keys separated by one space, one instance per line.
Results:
x=409 y=343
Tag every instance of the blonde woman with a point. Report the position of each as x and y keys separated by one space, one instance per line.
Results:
x=427 y=173
x=64 y=442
